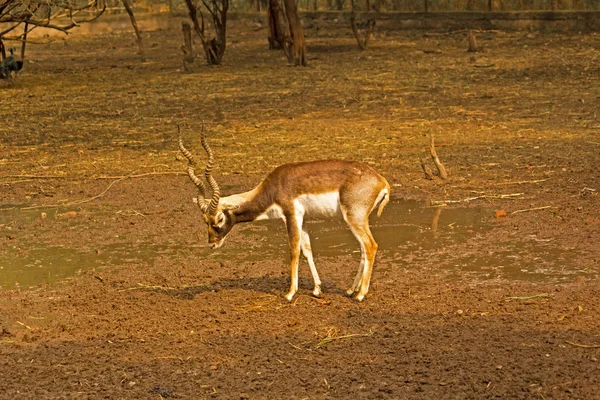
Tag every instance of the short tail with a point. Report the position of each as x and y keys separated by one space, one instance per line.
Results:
x=384 y=200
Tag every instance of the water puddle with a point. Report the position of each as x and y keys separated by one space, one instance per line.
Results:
x=408 y=234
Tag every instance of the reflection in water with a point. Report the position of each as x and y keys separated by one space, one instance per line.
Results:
x=406 y=232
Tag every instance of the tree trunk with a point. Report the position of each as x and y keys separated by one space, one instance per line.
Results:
x=473 y=48
x=24 y=41
x=138 y=34
x=215 y=47
x=295 y=46
x=276 y=30
x=186 y=48
x=362 y=38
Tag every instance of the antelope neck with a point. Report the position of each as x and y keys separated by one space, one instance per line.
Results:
x=251 y=205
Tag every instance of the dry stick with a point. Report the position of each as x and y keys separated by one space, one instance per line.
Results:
x=14 y=182
x=521 y=182
x=532 y=209
x=142 y=175
x=35 y=176
x=535 y=296
x=436 y=160
x=586 y=346
x=296 y=347
x=428 y=172
x=77 y=201
x=466 y=200
x=151 y=287
x=22 y=324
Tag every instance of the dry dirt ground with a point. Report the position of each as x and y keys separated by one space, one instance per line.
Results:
x=87 y=139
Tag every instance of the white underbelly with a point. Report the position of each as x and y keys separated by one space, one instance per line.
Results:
x=315 y=206
x=308 y=206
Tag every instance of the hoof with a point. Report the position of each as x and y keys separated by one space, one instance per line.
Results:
x=317 y=292
x=359 y=297
x=350 y=292
x=290 y=296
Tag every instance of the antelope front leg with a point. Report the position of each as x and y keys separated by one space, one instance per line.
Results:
x=294 y=234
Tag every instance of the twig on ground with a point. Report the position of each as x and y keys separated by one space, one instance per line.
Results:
x=467 y=199
x=77 y=201
x=142 y=175
x=521 y=182
x=428 y=172
x=36 y=176
x=26 y=326
x=130 y=213
x=535 y=296
x=15 y=182
x=532 y=209
x=153 y=287
x=294 y=346
x=585 y=346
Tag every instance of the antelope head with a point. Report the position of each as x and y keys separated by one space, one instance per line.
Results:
x=218 y=218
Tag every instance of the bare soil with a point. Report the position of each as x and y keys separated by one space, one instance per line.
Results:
x=87 y=137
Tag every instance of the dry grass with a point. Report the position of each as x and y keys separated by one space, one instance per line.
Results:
x=81 y=111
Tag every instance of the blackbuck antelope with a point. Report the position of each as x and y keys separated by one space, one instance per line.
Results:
x=296 y=192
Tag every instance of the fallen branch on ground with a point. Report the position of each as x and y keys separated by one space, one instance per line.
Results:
x=15 y=182
x=467 y=199
x=428 y=172
x=118 y=179
x=142 y=175
x=77 y=201
x=521 y=182
x=532 y=209
x=535 y=296
x=36 y=176
x=328 y=339
x=585 y=346
x=150 y=287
